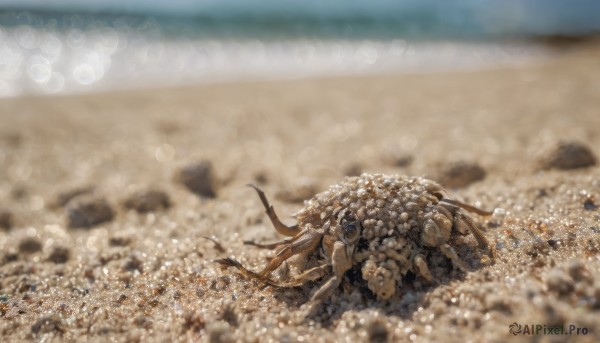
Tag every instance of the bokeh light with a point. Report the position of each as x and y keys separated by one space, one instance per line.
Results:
x=154 y=44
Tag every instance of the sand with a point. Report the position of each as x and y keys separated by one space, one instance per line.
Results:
x=101 y=239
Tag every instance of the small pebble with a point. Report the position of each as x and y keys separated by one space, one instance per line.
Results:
x=59 y=255
x=147 y=200
x=578 y=271
x=87 y=211
x=377 y=332
x=219 y=332
x=19 y=192
x=198 y=177
x=168 y=127
x=119 y=241
x=143 y=321
x=568 y=155
x=6 y=220
x=353 y=169
x=498 y=216
x=261 y=178
x=395 y=157
x=228 y=314
x=497 y=302
x=30 y=246
x=11 y=256
x=194 y=321
x=12 y=139
x=133 y=263
x=560 y=282
x=47 y=324
x=590 y=205
x=460 y=174
x=63 y=198
x=302 y=189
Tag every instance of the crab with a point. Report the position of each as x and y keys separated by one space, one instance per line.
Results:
x=381 y=226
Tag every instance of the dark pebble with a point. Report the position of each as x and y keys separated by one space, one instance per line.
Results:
x=88 y=211
x=119 y=241
x=460 y=174
x=6 y=219
x=12 y=139
x=396 y=158
x=353 y=169
x=377 y=332
x=261 y=178
x=63 y=198
x=168 y=127
x=143 y=321
x=568 y=155
x=198 y=177
x=26 y=286
x=47 y=324
x=10 y=257
x=147 y=200
x=30 y=246
x=19 y=192
x=59 y=255
x=590 y=205
x=578 y=271
x=560 y=282
x=122 y=298
x=297 y=192
x=228 y=314
x=133 y=263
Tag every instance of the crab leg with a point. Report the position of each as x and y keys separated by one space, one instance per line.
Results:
x=420 y=266
x=278 y=245
x=453 y=206
x=269 y=246
x=230 y=262
x=279 y=226
x=474 y=230
x=298 y=280
x=340 y=262
x=467 y=207
x=304 y=242
x=451 y=254
x=309 y=275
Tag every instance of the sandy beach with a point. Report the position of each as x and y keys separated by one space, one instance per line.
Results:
x=106 y=201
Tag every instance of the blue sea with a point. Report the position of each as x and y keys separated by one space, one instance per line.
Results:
x=71 y=46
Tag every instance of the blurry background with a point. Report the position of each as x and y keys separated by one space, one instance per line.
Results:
x=106 y=198
x=49 y=47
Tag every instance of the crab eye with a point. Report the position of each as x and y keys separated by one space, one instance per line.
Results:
x=350 y=231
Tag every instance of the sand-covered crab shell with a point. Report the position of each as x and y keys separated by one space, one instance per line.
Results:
x=401 y=224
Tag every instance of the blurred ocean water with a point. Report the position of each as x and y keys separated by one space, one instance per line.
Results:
x=68 y=46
